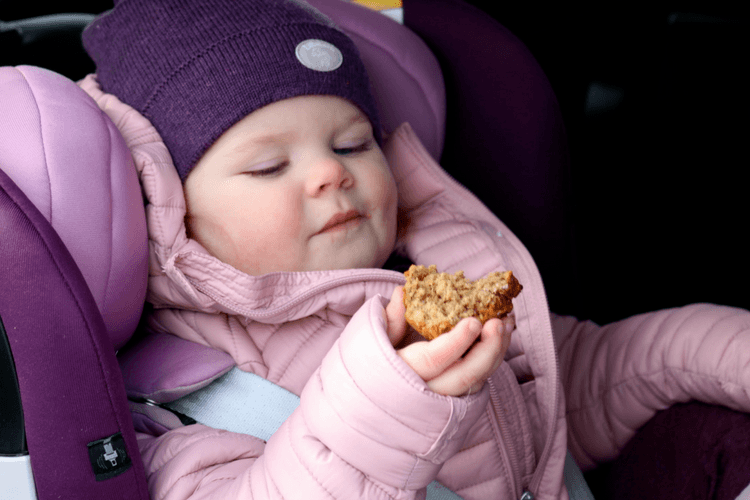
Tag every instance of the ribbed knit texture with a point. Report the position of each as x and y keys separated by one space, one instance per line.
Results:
x=194 y=68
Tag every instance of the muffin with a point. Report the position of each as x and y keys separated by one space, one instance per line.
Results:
x=436 y=302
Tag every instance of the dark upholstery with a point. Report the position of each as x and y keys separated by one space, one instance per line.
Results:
x=70 y=384
x=505 y=139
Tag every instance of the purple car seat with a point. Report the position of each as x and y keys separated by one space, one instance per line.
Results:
x=73 y=271
x=501 y=111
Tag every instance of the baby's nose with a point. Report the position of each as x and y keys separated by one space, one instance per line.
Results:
x=326 y=174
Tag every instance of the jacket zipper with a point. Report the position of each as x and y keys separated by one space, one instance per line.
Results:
x=536 y=479
x=507 y=449
x=539 y=299
x=208 y=291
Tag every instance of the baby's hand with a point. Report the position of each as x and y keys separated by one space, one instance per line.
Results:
x=439 y=361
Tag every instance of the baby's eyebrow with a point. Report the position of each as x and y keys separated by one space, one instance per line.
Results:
x=275 y=138
x=248 y=144
x=353 y=120
x=272 y=138
x=358 y=118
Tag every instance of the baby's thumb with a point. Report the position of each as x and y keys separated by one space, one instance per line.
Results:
x=394 y=314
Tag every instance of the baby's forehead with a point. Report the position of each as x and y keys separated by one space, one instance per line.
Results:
x=275 y=126
x=283 y=120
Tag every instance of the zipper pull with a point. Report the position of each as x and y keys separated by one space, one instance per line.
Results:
x=527 y=495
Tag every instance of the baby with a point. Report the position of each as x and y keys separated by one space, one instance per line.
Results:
x=302 y=185
x=274 y=228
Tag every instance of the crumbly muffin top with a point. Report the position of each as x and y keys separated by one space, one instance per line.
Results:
x=436 y=302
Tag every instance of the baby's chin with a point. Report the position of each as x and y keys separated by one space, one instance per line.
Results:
x=350 y=262
x=330 y=261
x=367 y=251
x=362 y=258
x=371 y=250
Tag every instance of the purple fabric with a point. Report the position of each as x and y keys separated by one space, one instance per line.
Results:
x=71 y=387
x=154 y=367
x=195 y=67
x=405 y=76
x=505 y=139
x=70 y=160
x=691 y=451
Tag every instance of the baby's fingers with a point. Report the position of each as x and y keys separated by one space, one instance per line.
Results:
x=394 y=315
x=469 y=373
x=430 y=359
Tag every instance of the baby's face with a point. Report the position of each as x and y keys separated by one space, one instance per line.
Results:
x=298 y=185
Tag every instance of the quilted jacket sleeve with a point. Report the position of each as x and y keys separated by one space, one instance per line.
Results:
x=367 y=427
x=616 y=377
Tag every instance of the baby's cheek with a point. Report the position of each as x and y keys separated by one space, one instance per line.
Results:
x=384 y=208
x=272 y=215
x=388 y=197
x=274 y=238
x=261 y=251
x=285 y=219
x=382 y=188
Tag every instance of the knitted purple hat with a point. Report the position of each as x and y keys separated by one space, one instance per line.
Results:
x=196 y=67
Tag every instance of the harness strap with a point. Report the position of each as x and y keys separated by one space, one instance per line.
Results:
x=240 y=402
x=249 y=404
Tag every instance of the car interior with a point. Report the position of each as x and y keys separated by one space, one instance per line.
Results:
x=627 y=185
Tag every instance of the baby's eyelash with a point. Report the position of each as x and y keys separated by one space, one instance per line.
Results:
x=266 y=172
x=365 y=146
x=276 y=169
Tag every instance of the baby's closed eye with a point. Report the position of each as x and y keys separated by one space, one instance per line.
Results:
x=262 y=171
x=360 y=148
x=276 y=167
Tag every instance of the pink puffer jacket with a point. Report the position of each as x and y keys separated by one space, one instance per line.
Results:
x=367 y=426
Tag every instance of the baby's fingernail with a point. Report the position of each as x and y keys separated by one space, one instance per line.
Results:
x=475 y=326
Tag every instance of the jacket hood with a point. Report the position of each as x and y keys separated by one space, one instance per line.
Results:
x=182 y=273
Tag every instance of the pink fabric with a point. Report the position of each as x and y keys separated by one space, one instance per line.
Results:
x=645 y=363
x=367 y=426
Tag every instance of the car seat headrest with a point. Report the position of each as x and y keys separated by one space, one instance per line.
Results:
x=405 y=75
x=70 y=160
